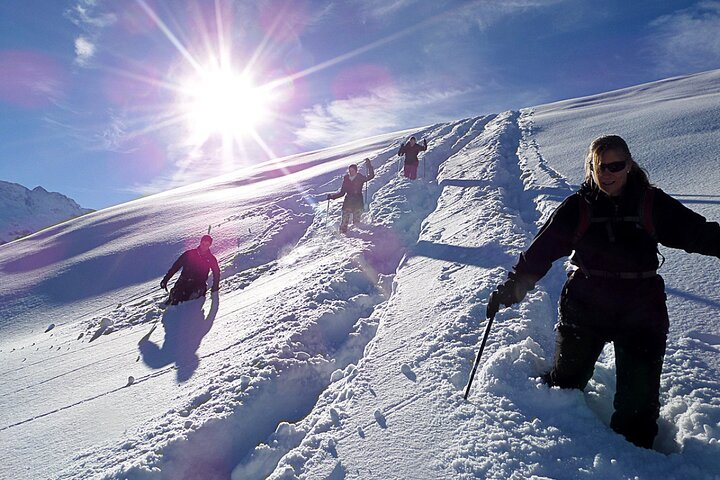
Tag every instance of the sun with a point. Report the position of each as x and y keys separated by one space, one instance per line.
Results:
x=223 y=102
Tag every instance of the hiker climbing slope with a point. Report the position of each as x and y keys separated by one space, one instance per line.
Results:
x=411 y=149
x=352 y=190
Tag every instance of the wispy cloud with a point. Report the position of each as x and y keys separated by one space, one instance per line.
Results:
x=30 y=79
x=460 y=14
x=688 y=40
x=383 y=110
x=87 y=15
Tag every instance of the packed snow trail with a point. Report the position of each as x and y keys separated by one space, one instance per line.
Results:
x=401 y=408
x=56 y=389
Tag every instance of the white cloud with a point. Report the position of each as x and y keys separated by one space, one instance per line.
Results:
x=384 y=110
x=86 y=14
x=84 y=51
x=459 y=15
x=688 y=40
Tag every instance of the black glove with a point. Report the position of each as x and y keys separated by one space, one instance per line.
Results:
x=163 y=284
x=508 y=293
x=329 y=197
x=367 y=161
x=425 y=143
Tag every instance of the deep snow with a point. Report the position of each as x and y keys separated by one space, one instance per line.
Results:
x=327 y=356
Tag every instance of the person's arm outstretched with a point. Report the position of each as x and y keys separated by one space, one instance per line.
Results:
x=173 y=270
x=677 y=226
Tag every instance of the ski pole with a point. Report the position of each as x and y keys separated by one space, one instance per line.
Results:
x=490 y=318
x=327 y=213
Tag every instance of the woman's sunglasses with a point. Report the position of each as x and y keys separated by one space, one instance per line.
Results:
x=613 y=167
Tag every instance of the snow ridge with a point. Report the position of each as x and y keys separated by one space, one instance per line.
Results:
x=26 y=211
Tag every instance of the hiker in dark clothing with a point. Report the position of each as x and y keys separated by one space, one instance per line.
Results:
x=411 y=151
x=613 y=224
x=196 y=265
x=352 y=189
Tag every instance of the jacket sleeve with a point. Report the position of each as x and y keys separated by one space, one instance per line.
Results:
x=401 y=152
x=677 y=226
x=553 y=241
x=342 y=192
x=176 y=266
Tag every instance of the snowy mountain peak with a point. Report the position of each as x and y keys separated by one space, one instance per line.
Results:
x=24 y=211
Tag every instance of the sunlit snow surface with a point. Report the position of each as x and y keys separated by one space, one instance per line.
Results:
x=328 y=356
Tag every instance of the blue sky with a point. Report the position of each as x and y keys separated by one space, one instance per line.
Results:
x=105 y=101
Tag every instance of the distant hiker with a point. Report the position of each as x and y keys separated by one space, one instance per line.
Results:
x=411 y=151
x=196 y=265
x=352 y=189
x=613 y=224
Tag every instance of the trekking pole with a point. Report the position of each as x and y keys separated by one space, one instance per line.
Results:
x=490 y=318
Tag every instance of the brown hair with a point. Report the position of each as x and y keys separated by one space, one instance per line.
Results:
x=612 y=142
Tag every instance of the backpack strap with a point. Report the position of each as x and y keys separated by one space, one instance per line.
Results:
x=583 y=221
x=646 y=213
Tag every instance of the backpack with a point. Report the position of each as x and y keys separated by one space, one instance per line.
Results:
x=643 y=217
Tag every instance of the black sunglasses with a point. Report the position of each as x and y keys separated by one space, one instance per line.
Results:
x=613 y=167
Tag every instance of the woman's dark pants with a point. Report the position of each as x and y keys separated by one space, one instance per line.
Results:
x=638 y=335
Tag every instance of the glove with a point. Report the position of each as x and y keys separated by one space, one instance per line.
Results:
x=508 y=293
x=328 y=197
x=367 y=161
x=163 y=284
x=425 y=143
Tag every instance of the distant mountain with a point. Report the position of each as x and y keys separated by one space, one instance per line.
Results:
x=24 y=211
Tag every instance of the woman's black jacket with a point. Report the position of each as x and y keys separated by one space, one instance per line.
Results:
x=614 y=248
x=352 y=190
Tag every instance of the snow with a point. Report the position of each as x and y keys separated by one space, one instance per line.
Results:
x=328 y=356
x=24 y=211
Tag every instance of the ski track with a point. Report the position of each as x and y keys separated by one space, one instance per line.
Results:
x=306 y=372
x=513 y=192
x=386 y=218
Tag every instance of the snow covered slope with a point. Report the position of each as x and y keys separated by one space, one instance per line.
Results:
x=327 y=356
x=24 y=211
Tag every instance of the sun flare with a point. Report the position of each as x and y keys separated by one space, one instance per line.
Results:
x=226 y=103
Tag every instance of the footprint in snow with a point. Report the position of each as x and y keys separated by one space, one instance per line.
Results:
x=105 y=323
x=702 y=340
x=380 y=419
x=407 y=371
